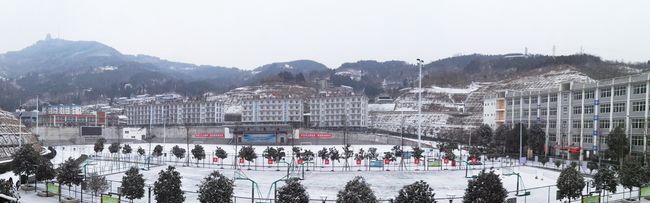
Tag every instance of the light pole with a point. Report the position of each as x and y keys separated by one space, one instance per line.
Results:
x=420 y=62
x=323 y=198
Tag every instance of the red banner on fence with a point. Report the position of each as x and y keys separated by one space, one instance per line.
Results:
x=473 y=160
x=270 y=161
x=215 y=159
x=358 y=161
x=316 y=135
x=241 y=160
x=416 y=161
x=209 y=135
x=386 y=161
x=299 y=161
x=327 y=161
x=445 y=161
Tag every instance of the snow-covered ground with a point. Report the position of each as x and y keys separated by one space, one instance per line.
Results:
x=321 y=181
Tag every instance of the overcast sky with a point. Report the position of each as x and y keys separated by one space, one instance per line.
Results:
x=248 y=33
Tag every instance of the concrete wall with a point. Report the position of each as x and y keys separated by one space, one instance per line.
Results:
x=71 y=135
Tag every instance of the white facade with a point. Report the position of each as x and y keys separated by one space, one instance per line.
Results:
x=64 y=109
x=489 y=112
x=179 y=113
x=134 y=133
x=272 y=110
x=338 y=111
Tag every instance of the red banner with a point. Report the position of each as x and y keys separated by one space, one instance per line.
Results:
x=386 y=161
x=358 y=161
x=446 y=161
x=209 y=135
x=241 y=160
x=270 y=161
x=215 y=159
x=316 y=135
x=473 y=160
x=417 y=161
x=299 y=161
x=327 y=161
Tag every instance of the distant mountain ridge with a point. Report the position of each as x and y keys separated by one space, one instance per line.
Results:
x=82 y=71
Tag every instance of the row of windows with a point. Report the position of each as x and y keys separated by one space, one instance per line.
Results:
x=590 y=94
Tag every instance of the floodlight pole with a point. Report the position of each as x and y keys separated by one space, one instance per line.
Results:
x=420 y=62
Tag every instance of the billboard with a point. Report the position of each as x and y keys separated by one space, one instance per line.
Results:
x=209 y=135
x=316 y=135
x=91 y=131
x=259 y=138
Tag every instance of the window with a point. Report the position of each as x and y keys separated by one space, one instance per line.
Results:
x=577 y=110
x=517 y=101
x=589 y=109
x=619 y=123
x=577 y=95
x=588 y=124
x=603 y=124
x=638 y=106
x=639 y=89
x=637 y=140
x=525 y=112
x=575 y=124
x=551 y=137
x=543 y=111
x=589 y=94
x=588 y=139
x=544 y=99
x=619 y=107
x=526 y=100
x=552 y=111
x=605 y=108
x=552 y=124
x=619 y=91
x=638 y=123
x=553 y=98
x=605 y=92
x=575 y=138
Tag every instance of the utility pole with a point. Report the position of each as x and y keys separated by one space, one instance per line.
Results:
x=420 y=62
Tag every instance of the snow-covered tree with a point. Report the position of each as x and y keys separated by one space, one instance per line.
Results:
x=141 y=151
x=133 y=184
x=44 y=171
x=605 y=179
x=95 y=183
x=199 y=153
x=221 y=154
x=99 y=145
x=356 y=191
x=419 y=192
x=631 y=175
x=248 y=154
x=323 y=154
x=25 y=160
x=215 y=188
x=68 y=174
x=292 y=192
x=536 y=139
x=618 y=146
x=570 y=183
x=114 y=148
x=168 y=186
x=178 y=152
x=485 y=188
x=334 y=155
x=347 y=154
x=127 y=149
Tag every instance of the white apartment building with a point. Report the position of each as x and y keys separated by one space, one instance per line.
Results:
x=338 y=111
x=177 y=113
x=494 y=109
x=272 y=110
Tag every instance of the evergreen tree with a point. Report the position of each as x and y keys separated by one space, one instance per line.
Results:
x=356 y=191
x=484 y=132
x=157 y=151
x=536 y=139
x=95 y=183
x=7 y=188
x=44 y=171
x=605 y=179
x=25 y=160
x=323 y=154
x=543 y=160
x=168 y=186
x=500 y=136
x=215 y=188
x=68 y=174
x=178 y=152
x=114 y=148
x=308 y=155
x=334 y=155
x=198 y=153
x=248 y=154
x=292 y=192
x=52 y=153
x=617 y=144
x=486 y=188
x=127 y=149
x=631 y=175
x=347 y=154
x=141 y=151
x=372 y=153
x=570 y=183
x=418 y=192
x=99 y=145
x=221 y=154
x=133 y=184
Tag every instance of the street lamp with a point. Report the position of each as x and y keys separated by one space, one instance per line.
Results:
x=323 y=198
x=451 y=197
x=420 y=62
